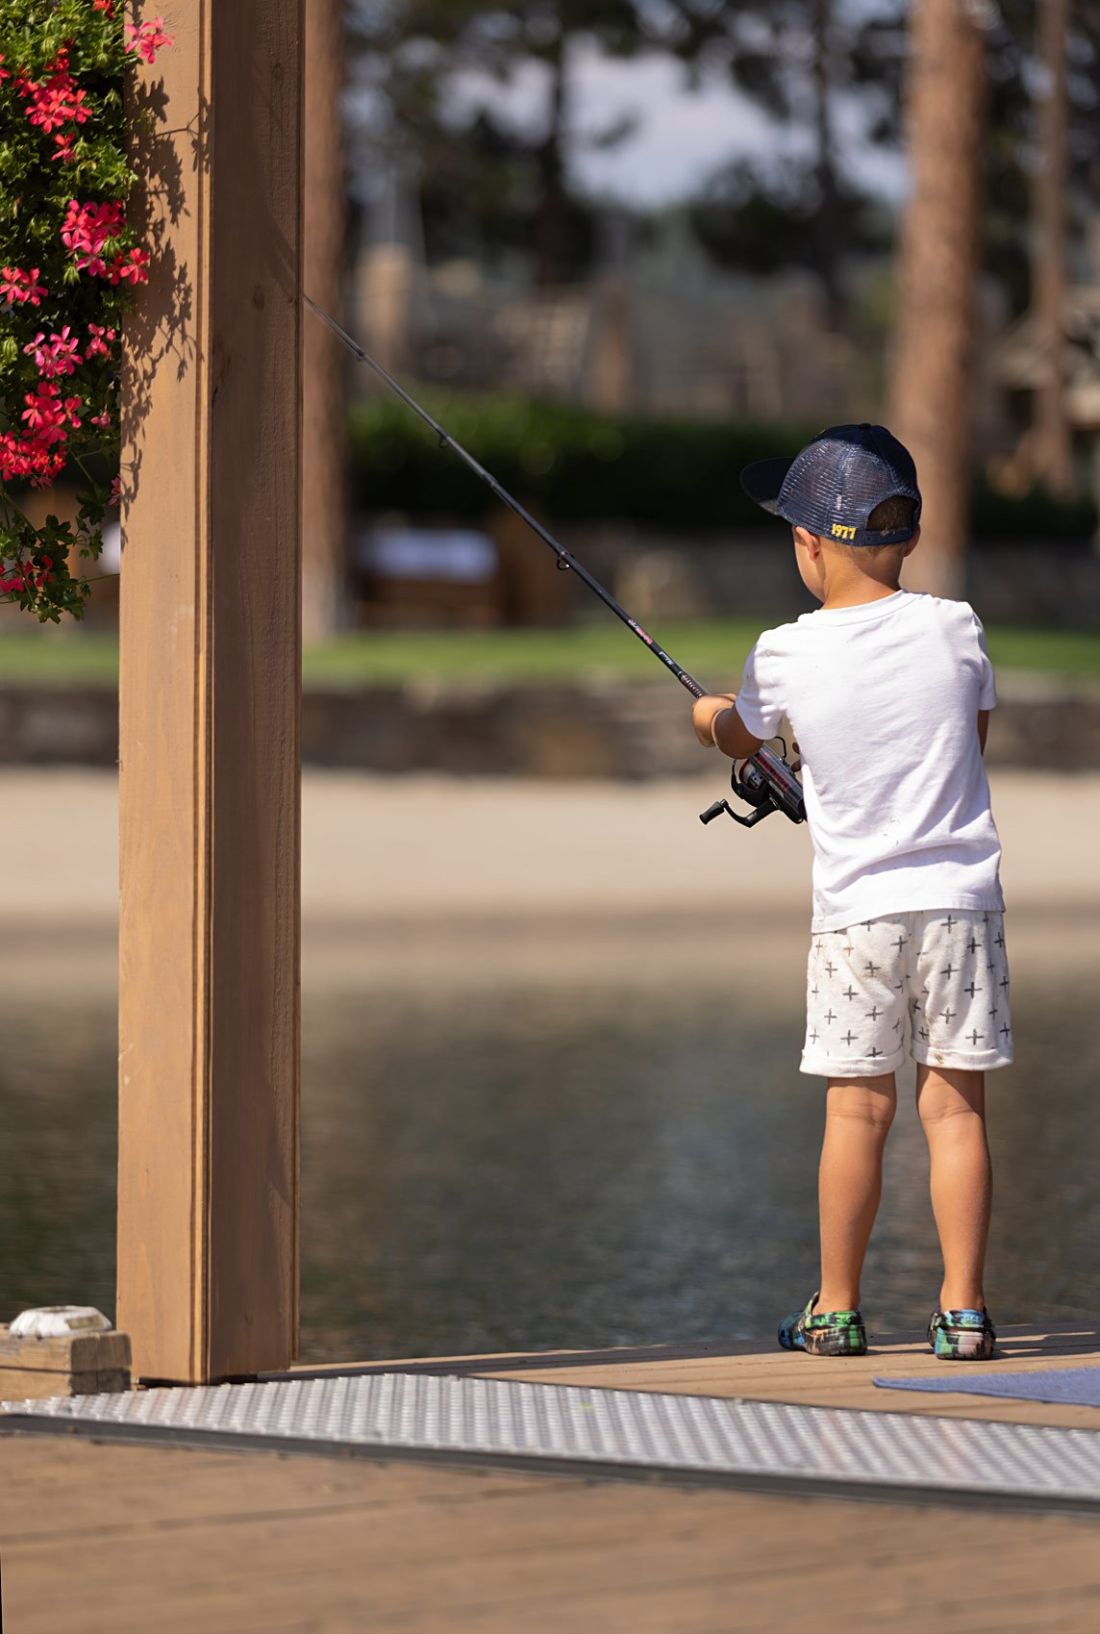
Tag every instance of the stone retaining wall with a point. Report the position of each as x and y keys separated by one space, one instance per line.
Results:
x=530 y=731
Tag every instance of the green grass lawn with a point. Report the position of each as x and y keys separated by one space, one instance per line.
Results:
x=712 y=650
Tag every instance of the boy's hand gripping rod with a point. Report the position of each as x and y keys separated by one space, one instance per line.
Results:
x=766 y=781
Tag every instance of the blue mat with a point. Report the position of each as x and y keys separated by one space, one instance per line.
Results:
x=1076 y=1386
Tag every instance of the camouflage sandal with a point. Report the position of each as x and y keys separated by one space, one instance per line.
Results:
x=961 y=1336
x=824 y=1333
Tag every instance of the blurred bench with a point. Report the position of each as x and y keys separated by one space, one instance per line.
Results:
x=408 y=576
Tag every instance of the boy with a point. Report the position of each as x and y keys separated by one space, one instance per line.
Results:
x=888 y=694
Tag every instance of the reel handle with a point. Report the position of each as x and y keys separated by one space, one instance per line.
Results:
x=720 y=806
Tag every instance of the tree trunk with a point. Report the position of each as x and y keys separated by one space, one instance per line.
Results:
x=552 y=220
x=1051 y=443
x=932 y=389
x=827 y=227
x=325 y=371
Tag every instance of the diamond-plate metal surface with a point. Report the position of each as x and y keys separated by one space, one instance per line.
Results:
x=568 y=1423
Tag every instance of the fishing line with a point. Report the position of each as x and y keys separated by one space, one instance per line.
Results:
x=766 y=780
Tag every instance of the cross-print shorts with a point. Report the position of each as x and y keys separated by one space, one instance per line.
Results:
x=933 y=984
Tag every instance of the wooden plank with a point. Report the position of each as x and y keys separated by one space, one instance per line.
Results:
x=790 y=1376
x=67 y=1353
x=72 y=1364
x=741 y=1368
x=210 y=701
x=26 y=1384
x=98 y=1538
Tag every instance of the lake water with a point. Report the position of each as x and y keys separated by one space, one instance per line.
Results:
x=516 y=1165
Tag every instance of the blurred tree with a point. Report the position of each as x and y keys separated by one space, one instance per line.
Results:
x=760 y=221
x=1007 y=95
x=797 y=59
x=324 y=361
x=480 y=196
x=1027 y=126
x=1015 y=138
x=932 y=387
x=411 y=55
x=803 y=60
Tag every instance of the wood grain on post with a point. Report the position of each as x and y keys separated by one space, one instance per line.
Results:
x=932 y=394
x=326 y=363
x=210 y=704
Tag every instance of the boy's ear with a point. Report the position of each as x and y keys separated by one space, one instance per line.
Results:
x=911 y=544
x=809 y=541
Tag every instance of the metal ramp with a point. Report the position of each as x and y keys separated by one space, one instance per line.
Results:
x=625 y=1433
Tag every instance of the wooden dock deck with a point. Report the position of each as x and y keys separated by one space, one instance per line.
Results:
x=98 y=1537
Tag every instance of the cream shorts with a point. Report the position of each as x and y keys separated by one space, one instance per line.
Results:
x=931 y=984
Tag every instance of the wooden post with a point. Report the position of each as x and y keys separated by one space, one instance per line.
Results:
x=210 y=703
x=326 y=364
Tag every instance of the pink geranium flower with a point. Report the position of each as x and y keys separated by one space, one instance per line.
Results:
x=47 y=415
x=44 y=414
x=36 y=454
x=43 y=410
x=56 y=101
x=87 y=227
x=18 y=287
x=146 y=39
x=132 y=268
x=101 y=341
x=58 y=355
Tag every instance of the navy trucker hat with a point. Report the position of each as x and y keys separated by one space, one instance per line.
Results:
x=832 y=486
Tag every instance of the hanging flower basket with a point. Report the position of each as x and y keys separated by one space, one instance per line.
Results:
x=69 y=264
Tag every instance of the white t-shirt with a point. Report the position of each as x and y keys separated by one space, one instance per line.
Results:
x=883 y=700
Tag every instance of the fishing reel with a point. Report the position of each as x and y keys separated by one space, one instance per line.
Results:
x=768 y=783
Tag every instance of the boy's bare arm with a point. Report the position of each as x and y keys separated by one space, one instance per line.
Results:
x=717 y=724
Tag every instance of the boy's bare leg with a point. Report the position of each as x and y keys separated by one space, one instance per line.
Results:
x=952 y=1111
x=858 y=1115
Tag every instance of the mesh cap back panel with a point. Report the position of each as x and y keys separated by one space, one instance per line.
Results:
x=832 y=486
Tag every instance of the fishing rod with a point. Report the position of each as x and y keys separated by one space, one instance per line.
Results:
x=766 y=780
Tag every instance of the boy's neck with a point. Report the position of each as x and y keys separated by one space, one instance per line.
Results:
x=848 y=585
